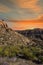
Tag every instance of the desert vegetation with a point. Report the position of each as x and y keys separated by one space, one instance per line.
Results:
x=30 y=53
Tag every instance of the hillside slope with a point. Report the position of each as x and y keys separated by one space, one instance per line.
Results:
x=17 y=49
x=9 y=36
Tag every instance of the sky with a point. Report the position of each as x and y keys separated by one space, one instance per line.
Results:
x=18 y=10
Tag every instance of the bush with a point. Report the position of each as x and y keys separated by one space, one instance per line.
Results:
x=41 y=58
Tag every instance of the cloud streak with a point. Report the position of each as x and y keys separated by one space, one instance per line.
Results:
x=31 y=4
x=21 y=9
x=4 y=8
x=27 y=24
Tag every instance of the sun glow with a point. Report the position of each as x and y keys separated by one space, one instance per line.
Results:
x=27 y=24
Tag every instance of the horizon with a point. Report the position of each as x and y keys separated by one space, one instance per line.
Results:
x=25 y=24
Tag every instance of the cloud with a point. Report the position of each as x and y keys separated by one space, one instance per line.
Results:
x=21 y=9
x=31 y=4
x=4 y=8
x=40 y=17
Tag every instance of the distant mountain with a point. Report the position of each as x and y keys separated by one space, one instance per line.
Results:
x=35 y=34
x=31 y=31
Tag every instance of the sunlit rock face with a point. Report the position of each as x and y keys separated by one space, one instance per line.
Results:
x=3 y=24
x=9 y=36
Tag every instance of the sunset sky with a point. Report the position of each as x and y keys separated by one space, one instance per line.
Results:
x=22 y=14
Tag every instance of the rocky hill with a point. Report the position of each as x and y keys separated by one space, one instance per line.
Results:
x=9 y=36
x=17 y=49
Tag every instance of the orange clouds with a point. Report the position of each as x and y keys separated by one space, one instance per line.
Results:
x=21 y=25
x=32 y=4
x=27 y=24
x=4 y=8
x=40 y=17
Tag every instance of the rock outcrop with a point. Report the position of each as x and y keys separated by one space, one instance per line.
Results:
x=9 y=36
